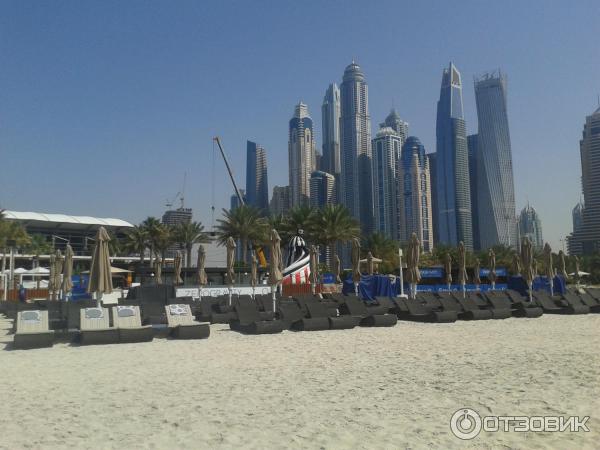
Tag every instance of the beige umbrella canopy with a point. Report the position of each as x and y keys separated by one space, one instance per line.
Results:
x=527 y=260
x=462 y=264
x=253 y=269
x=516 y=264
x=337 y=265
x=413 y=275
x=492 y=262
x=59 y=262
x=67 y=283
x=201 y=273
x=177 y=268
x=52 y=277
x=158 y=270
x=355 y=257
x=275 y=275
x=448 y=268
x=534 y=267
x=230 y=260
x=100 y=275
x=476 y=269
x=562 y=267
x=314 y=267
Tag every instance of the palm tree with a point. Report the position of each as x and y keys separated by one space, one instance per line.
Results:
x=243 y=223
x=152 y=226
x=136 y=241
x=39 y=245
x=189 y=233
x=384 y=248
x=163 y=239
x=299 y=218
x=334 y=224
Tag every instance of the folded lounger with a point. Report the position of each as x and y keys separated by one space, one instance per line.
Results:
x=356 y=308
x=386 y=305
x=590 y=300
x=521 y=305
x=32 y=330
x=294 y=318
x=182 y=325
x=466 y=308
x=500 y=305
x=128 y=320
x=549 y=304
x=249 y=320
x=314 y=309
x=95 y=327
x=414 y=310
x=374 y=308
x=574 y=303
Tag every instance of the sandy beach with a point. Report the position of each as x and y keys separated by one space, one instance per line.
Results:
x=362 y=388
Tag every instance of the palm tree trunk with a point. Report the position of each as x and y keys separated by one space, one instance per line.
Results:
x=188 y=257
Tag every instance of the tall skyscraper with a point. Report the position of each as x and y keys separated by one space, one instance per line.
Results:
x=495 y=185
x=394 y=121
x=234 y=201
x=452 y=183
x=433 y=179
x=257 y=186
x=322 y=189
x=472 y=148
x=586 y=240
x=301 y=155
x=414 y=199
x=330 y=120
x=355 y=133
x=386 y=146
x=281 y=202
x=530 y=225
x=577 y=216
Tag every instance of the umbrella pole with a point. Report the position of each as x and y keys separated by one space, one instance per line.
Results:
x=98 y=299
x=230 y=289
x=356 y=289
x=401 y=274
x=273 y=290
x=464 y=289
x=253 y=292
x=530 y=292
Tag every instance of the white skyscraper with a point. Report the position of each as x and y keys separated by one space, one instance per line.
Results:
x=302 y=156
x=330 y=119
x=386 y=154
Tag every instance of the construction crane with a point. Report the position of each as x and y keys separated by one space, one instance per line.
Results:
x=180 y=195
x=259 y=251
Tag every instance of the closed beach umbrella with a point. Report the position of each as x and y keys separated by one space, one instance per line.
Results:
x=516 y=265
x=527 y=260
x=337 y=265
x=562 y=266
x=230 y=260
x=355 y=257
x=177 y=268
x=413 y=276
x=201 y=272
x=492 y=262
x=51 y=276
x=67 y=283
x=275 y=275
x=314 y=268
x=58 y=268
x=476 y=269
x=534 y=266
x=100 y=274
x=548 y=267
x=448 y=269
x=158 y=270
x=253 y=269
x=462 y=265
x=370 y=264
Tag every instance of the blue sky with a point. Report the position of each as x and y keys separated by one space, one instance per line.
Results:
x=105 y=104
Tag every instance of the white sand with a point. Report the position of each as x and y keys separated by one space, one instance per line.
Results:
x=361 y=388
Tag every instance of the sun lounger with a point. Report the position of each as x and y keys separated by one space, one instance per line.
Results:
x=355 y=307
x=182 y=325
x=32 y=330
x=466 y=308
x=574 y=303
x=95 y=327
x=521 y=305
x=293 y=318
x=414 y=310
x=315 y=309
x=499 y=306
x=386 y=305
x=249 y=321
x=590 y=301
x=128 y=320
x=549 y=304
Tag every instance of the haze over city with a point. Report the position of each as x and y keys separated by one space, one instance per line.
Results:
x=137 y=93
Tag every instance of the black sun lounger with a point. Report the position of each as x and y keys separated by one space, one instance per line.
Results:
x=182 y=324
x=315 y=309
x=589 y=300
x=414 y=310
x=293 y=318
x=128 y=320
x=549 y=304
x=249 y=321
x=521 y=305
x=466 y=308
x=499 y=305
x=574 y=303
x=355 y=307
x=32 y=330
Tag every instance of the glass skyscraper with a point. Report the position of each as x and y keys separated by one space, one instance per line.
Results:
x=302 y=155
x=257 y=185
x=530 y=225
x=452 y=160
x=496 y=216
x=330 y=120
x=356 y=189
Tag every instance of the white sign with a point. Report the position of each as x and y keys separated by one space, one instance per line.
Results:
x=217 y=291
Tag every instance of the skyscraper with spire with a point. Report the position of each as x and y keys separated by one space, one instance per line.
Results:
x=452 y=159
x=394 y=122
x=330 y=120
x=257 y=185
x=495 y=201
x=302 y=156
x=356 y=189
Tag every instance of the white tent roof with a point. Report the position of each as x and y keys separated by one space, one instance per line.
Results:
x=63 y=218
x=38 y=271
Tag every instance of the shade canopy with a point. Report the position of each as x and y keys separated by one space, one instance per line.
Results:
x=462 y=263
x=476 y=270
x=527 y=260
x=230 y=244
x=275 y=275
x=253 y=269
x=448 y=268
x=67 y=285
x=314 y=265
x=413 y=275
x=100 y=274
x=177 y=263
x=201 y=272
x=492 y=262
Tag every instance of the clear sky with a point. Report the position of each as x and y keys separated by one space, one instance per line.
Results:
x=104 y=105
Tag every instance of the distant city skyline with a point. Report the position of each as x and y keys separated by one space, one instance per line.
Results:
x=140 y=92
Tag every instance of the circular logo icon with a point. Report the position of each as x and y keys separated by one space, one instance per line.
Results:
x=465 y=423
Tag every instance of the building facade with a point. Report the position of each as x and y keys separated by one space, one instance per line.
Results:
x=322 y=189
x=414 y=199
x=394 y=122
x=234 y=201
x=356 y=189
x=530 y=225
x=386 y=146
x=472 y=149
x=330 y=122
x=495 y=184
x=452 y=165
x=174 y=217
x=302 y=157
x=257 y=185
x=586 y=240
x=281 y=202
